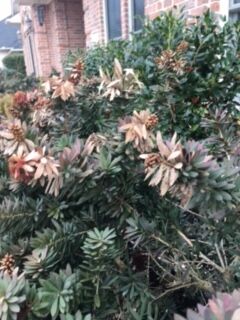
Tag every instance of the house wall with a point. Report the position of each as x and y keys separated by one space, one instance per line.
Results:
x=30 y=55
x=62 y=30
x=72 y=24
x=193 y=7
x=93 y=22
x=94 y=14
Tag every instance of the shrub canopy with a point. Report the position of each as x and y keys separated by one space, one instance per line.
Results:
x=119 y=183
x=15 y=62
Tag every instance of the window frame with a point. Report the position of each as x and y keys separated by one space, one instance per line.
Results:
x=106 y=22
x=233 y=11
x=233 y=6
x=131 y=17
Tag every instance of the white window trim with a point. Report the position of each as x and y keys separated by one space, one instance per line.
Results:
x=224 y=10
x=131 y=19
x=105 y=20
x=233 y=6
x=233 y=9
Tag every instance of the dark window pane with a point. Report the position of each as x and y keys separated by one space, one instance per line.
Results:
x=138 y=13
x=236 y=1
x=114 y=19
x=234 y=16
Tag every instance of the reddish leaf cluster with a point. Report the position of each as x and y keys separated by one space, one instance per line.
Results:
x=76 y=73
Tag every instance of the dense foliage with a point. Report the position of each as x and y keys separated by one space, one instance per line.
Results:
x=13 y=75
x=11 y=81
x=120 y=187
x=15 y=62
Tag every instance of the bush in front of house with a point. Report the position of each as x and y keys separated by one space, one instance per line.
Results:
x=15 y=62
x=120 y=191
x=11 y=82
x=13 y=76
x=98 y=56
x=202 y=64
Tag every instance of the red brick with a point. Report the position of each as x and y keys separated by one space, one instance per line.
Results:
x=51 y=40
x=179 y=1
x=200 y=2
x=215 y=6
x=70 y=24
x=168 y=3
x=198 y=11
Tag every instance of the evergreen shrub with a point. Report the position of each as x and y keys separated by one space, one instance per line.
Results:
x=120 y=189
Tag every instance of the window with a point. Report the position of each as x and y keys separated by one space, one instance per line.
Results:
x=137 y=14
x=113 y=19
x=234 y=4
x=234 y=10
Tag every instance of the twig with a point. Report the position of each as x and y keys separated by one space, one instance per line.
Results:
x=187 y=285
x=213 y=264
x=161 y=240
x=185 y=209
x=185 y=238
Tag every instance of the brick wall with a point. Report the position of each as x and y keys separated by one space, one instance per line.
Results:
x=94 y=22
x=28 y=41
x=41 y=43
x=193 y=7
x=72 y=24
x=94 y=14
x=63 y=30
x=125 y=18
